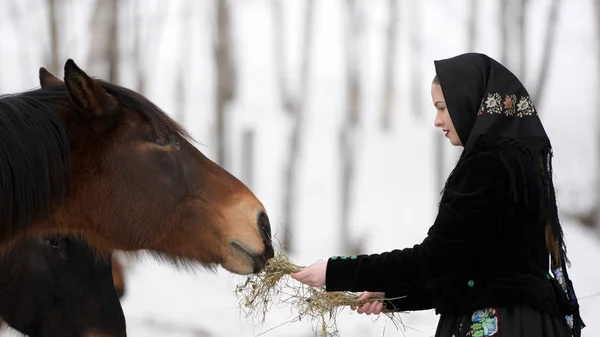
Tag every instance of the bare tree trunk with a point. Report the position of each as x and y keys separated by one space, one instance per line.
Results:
x=180 y=96
x=287 y=98
x=53 y=61
x=512 y=34
x=416 y=75
x=390 y=66
x=294 y=107
x=225 y=82
x=145 y=42
x=184 y=62
x=113 y=46
x=513 y=15
x=248 y=158
x=472 y=25
x=141 y=80
x=522 y=30
x=504 y=31
x=348 y=132
x=103 y=59
x=547 y=53
x=353 y=87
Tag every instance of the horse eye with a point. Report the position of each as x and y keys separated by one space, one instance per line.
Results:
x=54 y=243
x=166 y=142
x=162 y=141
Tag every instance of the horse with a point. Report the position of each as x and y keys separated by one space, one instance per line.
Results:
x=87 y=157
x=55 y=286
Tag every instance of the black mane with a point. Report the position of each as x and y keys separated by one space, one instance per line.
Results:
x=34 y=157
x=35 y=151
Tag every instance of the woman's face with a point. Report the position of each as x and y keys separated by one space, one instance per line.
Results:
x=442 y=116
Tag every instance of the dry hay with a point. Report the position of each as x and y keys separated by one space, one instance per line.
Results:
x=256 y=297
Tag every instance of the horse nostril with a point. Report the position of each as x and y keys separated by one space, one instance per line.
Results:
x=264 y=225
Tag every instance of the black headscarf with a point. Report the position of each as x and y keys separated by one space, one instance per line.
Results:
x=490 y=108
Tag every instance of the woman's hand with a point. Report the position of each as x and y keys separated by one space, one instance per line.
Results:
x=313 y=275
x=368 y=308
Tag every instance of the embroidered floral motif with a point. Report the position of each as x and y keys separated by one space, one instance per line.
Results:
x=569 y=320
x=508 y=102
x=485 y=323
x=525 y=107
x=493 y=103
x=510 y=105
x=561 y=280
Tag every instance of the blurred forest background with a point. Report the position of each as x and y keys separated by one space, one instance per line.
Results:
x=322 y=108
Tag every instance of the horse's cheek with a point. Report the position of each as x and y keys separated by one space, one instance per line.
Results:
x=159 y=173
x=172 y=170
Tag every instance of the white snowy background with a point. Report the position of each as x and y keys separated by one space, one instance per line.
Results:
x=395 y=198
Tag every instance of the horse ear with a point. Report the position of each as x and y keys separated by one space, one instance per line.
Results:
x=86 y=93
x=47 y=79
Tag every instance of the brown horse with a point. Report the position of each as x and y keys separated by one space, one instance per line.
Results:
x=89 y=157
x=56 y=286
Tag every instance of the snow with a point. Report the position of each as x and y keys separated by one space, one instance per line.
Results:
x=395 y=199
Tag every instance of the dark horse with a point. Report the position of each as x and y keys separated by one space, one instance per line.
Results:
x=91 y=158
x=57 y=287
x=47 y=282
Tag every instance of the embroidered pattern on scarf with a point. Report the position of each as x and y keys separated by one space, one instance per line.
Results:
x=509 y=105
x=485 y=323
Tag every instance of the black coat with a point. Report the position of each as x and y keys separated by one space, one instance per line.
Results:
x=485 y=248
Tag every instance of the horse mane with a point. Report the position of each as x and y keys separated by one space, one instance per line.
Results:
x=34 y=159
x=157 y=118
x=35 y=154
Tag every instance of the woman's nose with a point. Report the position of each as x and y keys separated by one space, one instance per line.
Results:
x=437 y=122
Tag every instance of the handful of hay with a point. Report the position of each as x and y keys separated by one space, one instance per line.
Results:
x=259 y=290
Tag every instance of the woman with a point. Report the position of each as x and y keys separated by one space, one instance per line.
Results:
x=487 y=257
